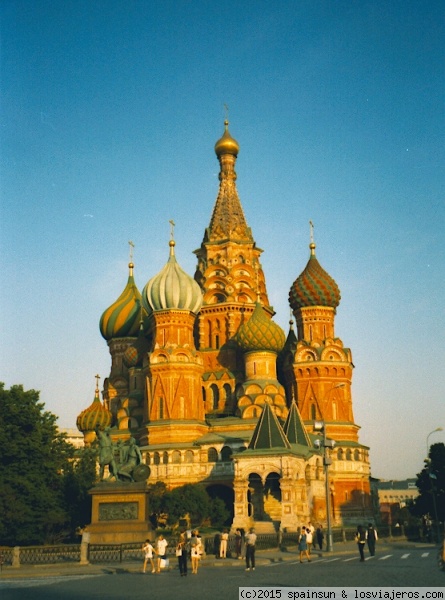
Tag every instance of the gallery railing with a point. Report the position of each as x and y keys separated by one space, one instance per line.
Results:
x=119 y=553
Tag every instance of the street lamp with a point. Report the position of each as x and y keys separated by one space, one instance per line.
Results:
x=432 y=477
x=325 y=444
x=428 y=437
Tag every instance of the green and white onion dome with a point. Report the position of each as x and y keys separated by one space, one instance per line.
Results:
x=172 y=288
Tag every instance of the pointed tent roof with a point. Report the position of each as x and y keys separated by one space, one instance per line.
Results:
x=268 y=432
x=294 y=428
x=228 y=221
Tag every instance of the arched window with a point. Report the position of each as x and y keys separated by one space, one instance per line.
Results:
x=356 y=454
x=340 y=454
x=176 y=457
x=212 y=455
x=189 y=456
x=156 y=458
x=226 y=453
x=165 y=458
x=348 y=454
x=215 y=392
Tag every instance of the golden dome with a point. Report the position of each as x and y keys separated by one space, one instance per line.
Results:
x=226 y=144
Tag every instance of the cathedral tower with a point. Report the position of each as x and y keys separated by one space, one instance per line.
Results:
x=230 y=275
x=175 y=411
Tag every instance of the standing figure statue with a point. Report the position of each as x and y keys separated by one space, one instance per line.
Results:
x=106 y=453
x=133 y=458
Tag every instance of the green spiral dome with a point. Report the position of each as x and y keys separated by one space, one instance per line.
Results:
x=122 y=318
x=94 y=416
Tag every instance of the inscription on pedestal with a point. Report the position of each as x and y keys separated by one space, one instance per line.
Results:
x=118 y=511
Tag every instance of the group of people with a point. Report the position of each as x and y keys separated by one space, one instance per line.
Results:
x=306 y=540
x=189 y=543
x=244 y=544
x=160 y=549
x=364 y=536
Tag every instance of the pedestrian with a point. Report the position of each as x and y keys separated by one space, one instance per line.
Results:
x=161 y=551
x=360 y=538
x=148 y=550
x=302 y=545
x=181 y=553
x=196 y=551
x=250 y=541
x=217 y=544
x=223 y=544
x=238 y=544
x=309 y=539
x=320 y=536
x=371 y=538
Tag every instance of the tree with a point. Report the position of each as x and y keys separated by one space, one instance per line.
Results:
x=78 y=478
x=431 y=485
x=189 y=499
x=33 y=459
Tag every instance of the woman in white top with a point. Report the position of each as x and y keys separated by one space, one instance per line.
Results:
x=161 y=549
x=147 y=549
x=196 y=546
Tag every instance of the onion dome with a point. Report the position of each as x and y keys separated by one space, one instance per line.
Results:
x=134 y=354
x=314 y=287
x=260 y=333
x=172 y=288
x=122 y=318
x=226 y=144
x=96 y=415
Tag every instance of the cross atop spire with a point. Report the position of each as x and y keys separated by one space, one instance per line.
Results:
x=131 y=244
x=97 y=377
x=172 y=229
x=311 y=225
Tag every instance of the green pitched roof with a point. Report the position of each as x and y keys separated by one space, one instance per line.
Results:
x=294 y=428
x=268 y=432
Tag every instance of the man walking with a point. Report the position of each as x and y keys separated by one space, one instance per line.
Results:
x=371 y=538
x=250 y=540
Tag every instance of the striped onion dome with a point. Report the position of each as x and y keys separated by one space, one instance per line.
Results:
x=96 y=415
x=314 y=287
x=122 y=318
x=260 y=333
x=172 y=288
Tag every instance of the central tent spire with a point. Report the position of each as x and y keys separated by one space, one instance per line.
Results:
x=228 y=221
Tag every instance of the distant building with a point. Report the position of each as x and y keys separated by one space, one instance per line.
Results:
x=74 y=437
x=213 y=390
x=395 y=495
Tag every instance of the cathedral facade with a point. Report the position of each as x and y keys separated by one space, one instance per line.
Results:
x=215 y=393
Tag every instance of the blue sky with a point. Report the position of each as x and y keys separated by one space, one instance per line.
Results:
x=110 y=111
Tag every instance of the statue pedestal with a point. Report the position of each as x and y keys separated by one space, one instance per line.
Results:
x=119 y=513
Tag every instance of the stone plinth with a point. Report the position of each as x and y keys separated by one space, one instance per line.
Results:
x=119 y=513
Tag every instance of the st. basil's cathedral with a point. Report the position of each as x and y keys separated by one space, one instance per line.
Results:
x=214 y=392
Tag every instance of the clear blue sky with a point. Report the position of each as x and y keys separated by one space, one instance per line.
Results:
x=110 y=112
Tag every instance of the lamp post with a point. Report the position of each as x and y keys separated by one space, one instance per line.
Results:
x=321 y=426
x=428 y=437
x=432 y=477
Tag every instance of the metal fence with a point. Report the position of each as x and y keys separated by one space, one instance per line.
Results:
x=118 y=553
